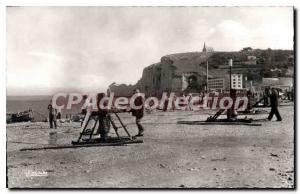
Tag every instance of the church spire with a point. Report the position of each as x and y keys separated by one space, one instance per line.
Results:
x=204 y=48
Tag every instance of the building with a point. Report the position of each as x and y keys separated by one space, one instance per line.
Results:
x=237 y=81
x=280 y=82
x=223 y=83
x=251 y=60
x=217 y=84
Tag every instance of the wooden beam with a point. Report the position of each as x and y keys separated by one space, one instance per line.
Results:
x=120 y=143
x=217 y=123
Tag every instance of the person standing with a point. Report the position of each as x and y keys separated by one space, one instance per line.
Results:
x=52 y=115
x=139 y=112
x=84 y=108
x=266 y=97
x=274 y=105
x=104 y=124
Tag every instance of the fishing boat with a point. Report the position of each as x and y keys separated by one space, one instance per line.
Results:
x=23 y=116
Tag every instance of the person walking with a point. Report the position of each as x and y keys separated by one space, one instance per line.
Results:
x=274 y=105
x=138 y=113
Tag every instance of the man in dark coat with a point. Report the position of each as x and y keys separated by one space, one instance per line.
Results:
x=274 y=105
x=52 y=115
x=138 y=113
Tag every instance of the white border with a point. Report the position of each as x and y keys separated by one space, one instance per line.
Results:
x=149 y=3
x=5 y=3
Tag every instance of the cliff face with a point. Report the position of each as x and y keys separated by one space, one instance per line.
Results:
x=173 y=72
x=176 y=72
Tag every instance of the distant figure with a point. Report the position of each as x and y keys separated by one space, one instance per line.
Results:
x=266 y=97
x=249 y=105
x=138 y=113
x=231 y=113
x=166 y=103
x=58 y=116
x=165 y=108
x=274 y=105
x=84 y=108
x=52 y=115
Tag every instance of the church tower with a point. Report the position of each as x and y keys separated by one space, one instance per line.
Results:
x=204 y=48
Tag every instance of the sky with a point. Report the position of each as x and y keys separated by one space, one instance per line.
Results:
x=54 y=49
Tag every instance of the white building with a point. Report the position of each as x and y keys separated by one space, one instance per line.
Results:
x=237 y=81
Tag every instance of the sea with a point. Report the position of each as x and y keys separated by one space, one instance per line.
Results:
x=38 y=104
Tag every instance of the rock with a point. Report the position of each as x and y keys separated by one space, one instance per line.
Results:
x=273 y=155
x=24 y=164
x=182 y=186
x=281 y=174
x=162 y=166
x=203 y=157
x=215 y=168
x=272 y=169
x=218 y=159
x=192 y=169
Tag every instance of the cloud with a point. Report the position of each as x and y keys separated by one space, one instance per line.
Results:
x=234 y=35
x=78 y=47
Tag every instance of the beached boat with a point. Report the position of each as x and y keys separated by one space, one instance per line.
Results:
x=19 y=117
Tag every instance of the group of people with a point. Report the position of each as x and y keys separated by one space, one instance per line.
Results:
x=103 y=114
